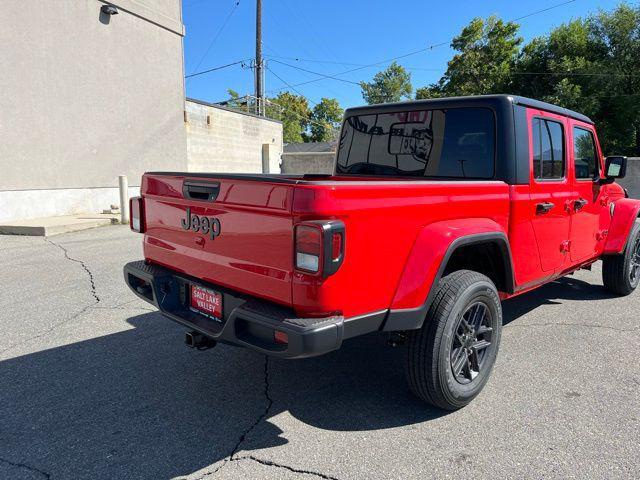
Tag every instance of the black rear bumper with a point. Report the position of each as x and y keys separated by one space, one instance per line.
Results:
x=248 y=322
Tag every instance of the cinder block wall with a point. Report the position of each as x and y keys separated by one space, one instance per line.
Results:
x=308 y=162
x=224 y=140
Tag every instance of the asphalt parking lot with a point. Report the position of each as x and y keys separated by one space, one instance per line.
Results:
x=95 y=384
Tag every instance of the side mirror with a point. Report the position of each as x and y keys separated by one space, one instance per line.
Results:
x=615 y=167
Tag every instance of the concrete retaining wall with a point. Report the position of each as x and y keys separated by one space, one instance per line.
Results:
x=223 y=140
x=308 y=162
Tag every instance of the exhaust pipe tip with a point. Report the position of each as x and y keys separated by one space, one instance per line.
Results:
x=197 y=340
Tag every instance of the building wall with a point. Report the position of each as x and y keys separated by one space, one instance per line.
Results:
x=223 y=140
x=308 y=162
x=632 y=180
x=85 y=97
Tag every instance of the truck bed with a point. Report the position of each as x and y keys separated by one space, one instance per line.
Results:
x=254 y=250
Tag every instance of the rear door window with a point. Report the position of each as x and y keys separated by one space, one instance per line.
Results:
x=548 y=149
x=455 y=143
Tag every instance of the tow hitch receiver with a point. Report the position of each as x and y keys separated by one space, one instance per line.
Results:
x=195 y=339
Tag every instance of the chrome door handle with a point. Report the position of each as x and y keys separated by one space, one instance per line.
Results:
x=544 y=207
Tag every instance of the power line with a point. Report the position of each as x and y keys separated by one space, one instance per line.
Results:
x=308 y=119
x=298 y=59
x=542 y=11
x=290 y=110
x=224 y=24
x=430 y=47
x=269 y=101
x=288 y=85
x=310 y=60
x=577 y=74
x=412 y=68
x=216 y=68
x=316 y=73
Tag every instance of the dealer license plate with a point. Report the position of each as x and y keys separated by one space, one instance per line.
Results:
x=207 y=302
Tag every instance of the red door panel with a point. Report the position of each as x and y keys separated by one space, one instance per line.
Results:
x=587 y=202
x=550 y=188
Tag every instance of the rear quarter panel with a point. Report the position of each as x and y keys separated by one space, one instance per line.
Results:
x=384 y=220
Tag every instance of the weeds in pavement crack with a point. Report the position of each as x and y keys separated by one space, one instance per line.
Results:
x=26 y=467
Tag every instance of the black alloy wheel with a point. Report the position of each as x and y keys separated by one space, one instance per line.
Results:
x=469 y=345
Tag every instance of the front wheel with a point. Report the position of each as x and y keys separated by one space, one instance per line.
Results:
x=621 y=273
x=450 y=358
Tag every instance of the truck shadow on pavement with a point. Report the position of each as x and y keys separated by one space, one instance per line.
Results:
x=553 y=293
x=139 y=404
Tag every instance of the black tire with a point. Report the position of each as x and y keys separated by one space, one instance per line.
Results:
x=621 y=273
x=439 y=344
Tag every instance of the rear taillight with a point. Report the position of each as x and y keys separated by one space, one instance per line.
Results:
x=319 y=246
x=308 y=248
x=136 y=214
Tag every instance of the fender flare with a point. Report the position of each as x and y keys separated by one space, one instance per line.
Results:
x=433 y=247
x=625 y=213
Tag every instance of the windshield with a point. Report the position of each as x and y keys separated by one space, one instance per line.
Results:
x=451 y=143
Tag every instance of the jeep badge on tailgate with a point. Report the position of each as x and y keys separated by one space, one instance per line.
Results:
x=205 y=225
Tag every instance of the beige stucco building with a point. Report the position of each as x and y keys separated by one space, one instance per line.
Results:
x=85 y=97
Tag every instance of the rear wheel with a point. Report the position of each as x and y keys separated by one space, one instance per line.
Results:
x=621 y=273
x=450 y=358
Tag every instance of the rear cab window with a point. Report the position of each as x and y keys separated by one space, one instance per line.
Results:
x=453 y=143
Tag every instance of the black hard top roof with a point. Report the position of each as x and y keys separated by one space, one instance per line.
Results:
x=477 y=100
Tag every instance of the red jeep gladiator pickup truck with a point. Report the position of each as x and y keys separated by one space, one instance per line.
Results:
x=437 y=210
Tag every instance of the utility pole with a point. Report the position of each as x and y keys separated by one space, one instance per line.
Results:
x=259 y=80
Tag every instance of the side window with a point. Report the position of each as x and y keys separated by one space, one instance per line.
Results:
x=548 y=149
x=584 y=152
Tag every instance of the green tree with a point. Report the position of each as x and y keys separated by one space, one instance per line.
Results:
x=546 y=66
x=326 y=117
x=488 y=49
x=293 y=111
x=430 y=91
x=243 y=104
x=615 y=37
x=589 y=65
x=390 y=85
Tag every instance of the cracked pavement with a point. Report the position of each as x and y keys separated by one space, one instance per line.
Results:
x=95 y=384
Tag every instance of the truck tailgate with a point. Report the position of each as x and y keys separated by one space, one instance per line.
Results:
x=251 y=249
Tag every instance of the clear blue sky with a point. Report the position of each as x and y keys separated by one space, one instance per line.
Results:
x=354 y=32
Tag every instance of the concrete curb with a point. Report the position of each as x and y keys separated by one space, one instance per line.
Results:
x=46 y=227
